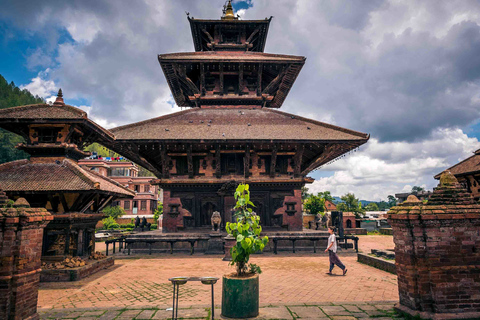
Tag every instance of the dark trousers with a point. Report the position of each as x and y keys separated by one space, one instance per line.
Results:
x=334 y=260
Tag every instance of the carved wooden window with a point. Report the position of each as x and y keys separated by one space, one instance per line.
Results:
x=268 y=162
x=282 y=164
x=181 y=164
x=143 y=205
x=47 y=135
x=137 y=188
x=126 y=205
x=146 y=188
x=232 y=163
x=199 y=161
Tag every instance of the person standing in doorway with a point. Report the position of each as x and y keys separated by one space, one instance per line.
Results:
x=332 y=252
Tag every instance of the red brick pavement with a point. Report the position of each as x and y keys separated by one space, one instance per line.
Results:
x=287 y=278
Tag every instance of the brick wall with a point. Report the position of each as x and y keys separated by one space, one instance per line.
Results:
x=437 y=251
x=21 y=237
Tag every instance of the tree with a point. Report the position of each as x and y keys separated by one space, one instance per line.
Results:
x=114 y=212
x=246 y=231
x=326 y=195
x=417 y=189
x=342 y=207
x=372 y=206
x=382 y=205
x=12 y=96
x=353 y=205
x=305 y=193
x=392 y=201
x=158 y=212
x=315 y=204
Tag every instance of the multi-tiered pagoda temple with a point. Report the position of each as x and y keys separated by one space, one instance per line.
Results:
x=232 y=131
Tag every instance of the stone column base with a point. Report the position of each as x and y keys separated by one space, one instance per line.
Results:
x=435 y=316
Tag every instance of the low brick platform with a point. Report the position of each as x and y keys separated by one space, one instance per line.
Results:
x=75 y=274
x=378 y=263
x=202 y=243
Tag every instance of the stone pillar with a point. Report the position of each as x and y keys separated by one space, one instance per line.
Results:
x=21 y=238
x=437 y=253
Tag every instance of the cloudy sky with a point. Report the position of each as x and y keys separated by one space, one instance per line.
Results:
x=407 y=72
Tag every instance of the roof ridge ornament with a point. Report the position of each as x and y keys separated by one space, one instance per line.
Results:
x=59 y=101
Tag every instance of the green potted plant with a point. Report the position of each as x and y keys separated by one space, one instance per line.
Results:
x=240 y=292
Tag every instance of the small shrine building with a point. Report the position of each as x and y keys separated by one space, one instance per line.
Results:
x=55 y=136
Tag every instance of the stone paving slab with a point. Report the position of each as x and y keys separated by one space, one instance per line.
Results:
x=310 y=312
x=281 y=312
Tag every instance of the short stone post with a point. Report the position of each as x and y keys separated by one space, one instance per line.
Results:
x=437 y=253
x=21 y=238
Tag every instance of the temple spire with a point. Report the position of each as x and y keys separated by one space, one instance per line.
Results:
x=228 y=13
x=59 y=101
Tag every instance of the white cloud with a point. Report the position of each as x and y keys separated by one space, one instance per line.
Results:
x=380 y=169
x=40 y=86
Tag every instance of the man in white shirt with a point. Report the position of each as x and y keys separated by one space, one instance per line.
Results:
x=332 y=252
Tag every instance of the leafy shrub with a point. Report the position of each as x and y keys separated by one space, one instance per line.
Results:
x=110 y=223
x=154 y=226
x=158 y=212
x=128 y=225
x=114 y=212
x=129 y=229
x=246 y=231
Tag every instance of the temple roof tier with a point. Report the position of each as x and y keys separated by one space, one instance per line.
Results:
x=231 y=34
x=64 y=176
x=21 y=120
x=243 y=123
x=468 y=166
x=199 y=79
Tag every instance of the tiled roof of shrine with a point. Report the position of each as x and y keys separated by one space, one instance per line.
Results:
x=56 y=113
x=65 y=175
x=235 y=124
x=467 y=166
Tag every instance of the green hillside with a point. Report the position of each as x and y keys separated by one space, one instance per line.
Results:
x=11 y=96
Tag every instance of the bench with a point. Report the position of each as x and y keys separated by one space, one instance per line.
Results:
x=149 y=241
x=293 y=239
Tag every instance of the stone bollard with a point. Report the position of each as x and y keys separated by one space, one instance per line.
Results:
x=21 y=238
x=437 y=253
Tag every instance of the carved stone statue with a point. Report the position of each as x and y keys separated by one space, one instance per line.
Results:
x=137 y=222
x=216 y=220
x=324 y=220
x=329 y=220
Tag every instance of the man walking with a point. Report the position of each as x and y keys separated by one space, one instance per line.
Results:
x=332 y=252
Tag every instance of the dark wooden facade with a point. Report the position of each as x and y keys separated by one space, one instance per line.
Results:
x=232 y=133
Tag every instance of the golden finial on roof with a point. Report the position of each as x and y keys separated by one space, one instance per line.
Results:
x=228 y=13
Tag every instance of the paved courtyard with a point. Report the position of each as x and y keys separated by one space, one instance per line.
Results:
x=344 y=311
x=288 y=281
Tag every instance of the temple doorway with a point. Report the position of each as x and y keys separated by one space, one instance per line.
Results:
x=206 y=210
